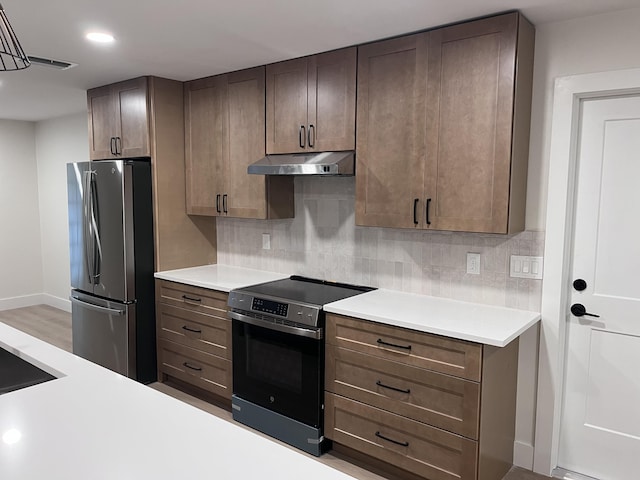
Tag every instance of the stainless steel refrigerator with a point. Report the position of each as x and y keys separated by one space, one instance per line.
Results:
x=111 y=253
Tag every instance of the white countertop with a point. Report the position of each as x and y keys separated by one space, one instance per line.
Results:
x=475 y=322
x=219 y=277
x=95 y=424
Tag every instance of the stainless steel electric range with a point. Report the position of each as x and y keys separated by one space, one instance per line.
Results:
x=278 y=357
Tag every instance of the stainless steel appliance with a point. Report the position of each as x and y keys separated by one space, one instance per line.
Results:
x=111 y=253
x=278 y=357
x=318 y=164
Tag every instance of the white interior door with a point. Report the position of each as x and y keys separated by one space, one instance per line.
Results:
x=600 y=426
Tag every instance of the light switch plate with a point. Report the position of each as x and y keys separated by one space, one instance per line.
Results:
x=473 y=263
x=523 y=266
x=266 y=241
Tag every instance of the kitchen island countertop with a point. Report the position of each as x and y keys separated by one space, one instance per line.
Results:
x=91 y=423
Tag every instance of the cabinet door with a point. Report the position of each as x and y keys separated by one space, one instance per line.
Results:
x=102 y=122
x=287 y=106
x=205 y=145
x=390 y=131
x=332 y=101
x=132 y=118
x=246 y=97
x=469 y=124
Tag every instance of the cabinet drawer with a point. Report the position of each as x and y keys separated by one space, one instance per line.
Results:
x=197 y=368
x=198 y=299
x=423 y=350
x=441 y=400
x=426 y=451
x=204 y=332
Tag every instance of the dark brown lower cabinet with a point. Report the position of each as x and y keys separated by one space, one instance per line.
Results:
x=383 y=406
x=194 y=338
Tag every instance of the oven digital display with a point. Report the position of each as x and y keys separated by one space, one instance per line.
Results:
x=268 y=306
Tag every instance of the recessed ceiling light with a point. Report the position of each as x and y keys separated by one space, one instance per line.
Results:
x=99 y=37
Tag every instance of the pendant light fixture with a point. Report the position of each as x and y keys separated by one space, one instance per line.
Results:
x=12 y=57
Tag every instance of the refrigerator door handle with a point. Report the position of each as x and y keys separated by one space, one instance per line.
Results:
x=95 y=226
x=88 y=234
x=97 y=308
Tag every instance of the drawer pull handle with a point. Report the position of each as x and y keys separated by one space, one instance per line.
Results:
x=197 y=369
x=402 y=444
x=401 y=390
x=191 y=299
x=184 y=327
x=382 y=342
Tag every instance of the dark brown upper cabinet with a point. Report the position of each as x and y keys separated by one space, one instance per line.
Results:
x=311 y=103
x=443 y=127
x=119 y=120
x=224 y=134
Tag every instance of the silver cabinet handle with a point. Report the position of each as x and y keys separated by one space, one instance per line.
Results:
x=97 y=308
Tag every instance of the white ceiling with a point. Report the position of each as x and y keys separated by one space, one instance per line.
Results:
x=188 y=39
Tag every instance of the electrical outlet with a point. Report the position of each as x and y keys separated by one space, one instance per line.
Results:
x=523 y=266
x=473 y=263
x=266 y=241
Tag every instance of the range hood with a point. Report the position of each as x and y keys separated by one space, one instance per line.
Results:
x=322 y=163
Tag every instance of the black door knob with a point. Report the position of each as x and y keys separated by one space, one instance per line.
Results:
x=580 y=311
x=579 y=284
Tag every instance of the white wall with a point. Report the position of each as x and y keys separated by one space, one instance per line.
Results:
x=592 y=44
x=58 y=141
x=20 y=256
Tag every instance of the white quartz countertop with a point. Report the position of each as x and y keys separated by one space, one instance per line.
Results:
x=480 y=323
x=475 y=322
x=92 y=423
x=219 y=277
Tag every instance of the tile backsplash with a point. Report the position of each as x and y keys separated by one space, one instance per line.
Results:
x=323 y=241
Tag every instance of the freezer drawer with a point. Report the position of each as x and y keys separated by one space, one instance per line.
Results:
x=104 y=332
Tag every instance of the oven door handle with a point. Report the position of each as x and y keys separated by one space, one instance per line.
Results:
x=298 y=331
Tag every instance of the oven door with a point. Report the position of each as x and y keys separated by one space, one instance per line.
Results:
x=280 y=371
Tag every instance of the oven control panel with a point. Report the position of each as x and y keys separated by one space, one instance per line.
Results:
x=270 y=307
x=282 y=311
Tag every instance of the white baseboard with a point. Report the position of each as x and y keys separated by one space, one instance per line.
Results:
x=22 y=301
x=57 y=302
x=523 y=455
x=35 y=299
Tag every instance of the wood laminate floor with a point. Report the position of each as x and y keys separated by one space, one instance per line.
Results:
x=54 y=326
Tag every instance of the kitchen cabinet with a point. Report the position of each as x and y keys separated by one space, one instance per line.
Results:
x=417 y=404
x=119 y=120
x=224 y=129
x=311 y=103
x=194 y=337
x=145 y=117
x=390 y=131
x=443 y=138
